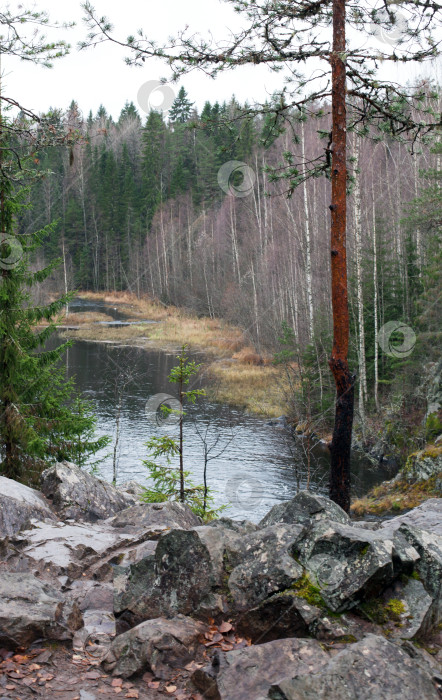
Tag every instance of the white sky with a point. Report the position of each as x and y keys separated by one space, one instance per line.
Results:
x=100 y=76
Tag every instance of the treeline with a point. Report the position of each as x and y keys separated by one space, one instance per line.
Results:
x=144 y=205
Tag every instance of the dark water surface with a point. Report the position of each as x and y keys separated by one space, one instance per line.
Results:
x=259 y=464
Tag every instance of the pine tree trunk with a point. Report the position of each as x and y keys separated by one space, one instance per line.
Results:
x=341 y=442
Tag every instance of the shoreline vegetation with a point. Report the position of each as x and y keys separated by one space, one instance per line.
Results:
x=237 y=374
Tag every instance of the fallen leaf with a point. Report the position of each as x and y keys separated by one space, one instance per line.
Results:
x=193 y=666
x=116 y=682
x=153 y=684
x=147 y=677
x=225 y=627
x=170 y=688
x=133 y=693
x=118 y=690
x=226 y=646
x=34 y=667
x=10 y=687
x=217 y=637
x=19 y=659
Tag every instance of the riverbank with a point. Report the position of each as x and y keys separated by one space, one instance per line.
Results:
x=419 y=480
x=237 y=374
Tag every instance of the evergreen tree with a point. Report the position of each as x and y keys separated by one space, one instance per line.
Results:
x=181 y=108
x=154 y=163
x=41 y=419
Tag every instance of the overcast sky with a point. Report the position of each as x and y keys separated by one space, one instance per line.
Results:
x=100 y=76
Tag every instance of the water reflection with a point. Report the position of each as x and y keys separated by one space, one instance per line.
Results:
x=260 y=465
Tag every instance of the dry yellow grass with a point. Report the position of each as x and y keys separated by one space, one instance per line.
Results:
x=240 y=376
x=80 y=319
x=129 y=303
x=395 y=497
x=254 y=388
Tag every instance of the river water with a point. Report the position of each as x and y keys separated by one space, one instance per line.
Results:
x=253 y=464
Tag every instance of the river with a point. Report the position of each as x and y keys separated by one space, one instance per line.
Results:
x=255 y=464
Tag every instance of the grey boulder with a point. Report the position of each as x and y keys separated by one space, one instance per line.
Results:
x=155 y=518
x=32 y=609
x=247 y=674
x=261 y=565
x=370 y=669
x=158 y=645
x=77 y=495
x=303 y=508
x=348 y=564
x=429 y=547
x=185 y=575
x=280 y=616
x=20 y=504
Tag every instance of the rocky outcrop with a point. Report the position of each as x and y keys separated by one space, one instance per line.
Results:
x=157 y=645
x=249 y=673
x=422 y=465
x=155 y=518
x=303 y=508
x=77 y=495
x=185 y=575
x=348 y=563
x=20 y=504
x=429 y=566
x=427 y=516
x=372 y=668
x=31 y=609
x=261 y=565
x=150 y=588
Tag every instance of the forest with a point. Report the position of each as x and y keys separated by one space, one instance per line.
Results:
x=139 y=207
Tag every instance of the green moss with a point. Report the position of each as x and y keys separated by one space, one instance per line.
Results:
x=416 y=576
x=374 y=611
x=364 y=550
x=304 y=588
x=432 y=451
x=433 y=426
x=347 y=639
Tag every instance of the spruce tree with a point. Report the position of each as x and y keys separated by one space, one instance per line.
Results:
x=181 y=108
x=41 y=419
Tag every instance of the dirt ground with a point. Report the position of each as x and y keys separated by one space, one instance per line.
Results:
x=56 y=671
